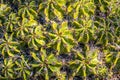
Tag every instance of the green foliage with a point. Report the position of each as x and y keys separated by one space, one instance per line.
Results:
x=59 y=39
x=35 y=37
x=27 y=9
x=7 y=68
x=22 y=68
x=85 y=30
x=8 y=46
x=45 y=64
x=11 y=22
x=85 y=63
x=4 y=8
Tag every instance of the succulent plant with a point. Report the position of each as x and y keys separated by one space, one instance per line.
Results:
x=28 y=9
x=4 y=9
x=8 y=46
x=61 y=36
x=59 y=39
x=105 y=33
x=23 y=27
x=35 y=37
x=85 y=30
x=45 y=64
x=23 y=68
x=11 y=22
x=85 y=63
x=7 y=69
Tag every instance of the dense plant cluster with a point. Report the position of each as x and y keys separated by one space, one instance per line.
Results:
x=59 y=39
